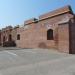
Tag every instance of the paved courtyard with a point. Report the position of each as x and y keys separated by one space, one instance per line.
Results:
x=16 y=61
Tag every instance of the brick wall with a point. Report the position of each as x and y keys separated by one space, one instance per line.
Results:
x=72 y=35
x=34 y=32
x=34 y=35
x=63 y=37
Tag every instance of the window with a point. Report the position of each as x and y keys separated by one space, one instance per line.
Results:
x=50 y=34
x=18 y=37
x=3 y=38
x=10 y=37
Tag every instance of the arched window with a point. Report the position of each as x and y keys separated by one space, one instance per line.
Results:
x=3 y=38
x=50 y=34
x=10 y=37
x=18 y=36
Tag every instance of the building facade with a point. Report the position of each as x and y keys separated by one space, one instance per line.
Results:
x=53 y=30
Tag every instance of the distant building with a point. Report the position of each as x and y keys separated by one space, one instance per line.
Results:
x=55 y=30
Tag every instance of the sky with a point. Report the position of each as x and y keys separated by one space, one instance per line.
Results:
x=14 y=12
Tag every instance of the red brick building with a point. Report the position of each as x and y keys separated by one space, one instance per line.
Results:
x=55 y=30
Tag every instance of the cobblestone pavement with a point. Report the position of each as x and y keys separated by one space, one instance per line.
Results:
x=16 y=61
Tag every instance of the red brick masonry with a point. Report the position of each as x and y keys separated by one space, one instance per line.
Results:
x=55 y=30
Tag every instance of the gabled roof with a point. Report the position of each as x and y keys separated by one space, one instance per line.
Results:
x=56 y=12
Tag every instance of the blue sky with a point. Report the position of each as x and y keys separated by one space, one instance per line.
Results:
x=14 y=12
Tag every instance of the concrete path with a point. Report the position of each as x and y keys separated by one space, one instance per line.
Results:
x=15 y=61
